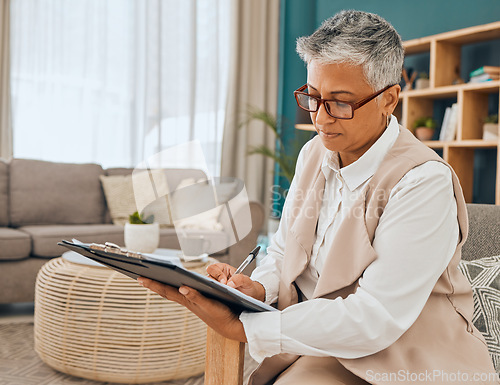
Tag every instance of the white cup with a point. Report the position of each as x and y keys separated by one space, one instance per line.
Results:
x=194 y=245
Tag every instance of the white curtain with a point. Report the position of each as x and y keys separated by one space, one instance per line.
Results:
x=253 y=84
x=5 y=107
x=116 y=81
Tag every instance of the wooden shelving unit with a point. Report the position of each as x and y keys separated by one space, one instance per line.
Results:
x=472 y=99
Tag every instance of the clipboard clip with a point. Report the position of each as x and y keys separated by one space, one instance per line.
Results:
x=110 y=247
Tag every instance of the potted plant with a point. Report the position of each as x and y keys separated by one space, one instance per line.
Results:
x=490 y=127
x=422 y=81
x=141 y=234
x=284 y=155
x=424 y=128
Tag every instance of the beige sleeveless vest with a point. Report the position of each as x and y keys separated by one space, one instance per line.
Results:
x=443 y=337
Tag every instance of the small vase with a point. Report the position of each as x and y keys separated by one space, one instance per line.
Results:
x=143 y=238
x=490 y=131
x=421 y=84
x=424 y=133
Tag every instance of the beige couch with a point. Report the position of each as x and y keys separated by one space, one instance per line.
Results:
x=44 y=202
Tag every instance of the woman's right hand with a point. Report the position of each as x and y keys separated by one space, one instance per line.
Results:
x=224 y=273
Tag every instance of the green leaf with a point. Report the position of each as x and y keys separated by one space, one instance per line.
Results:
x=284 y=156
x=149 y=219
x=268 y=119
x=425 y=121
x=136 y=219
x=491 y=119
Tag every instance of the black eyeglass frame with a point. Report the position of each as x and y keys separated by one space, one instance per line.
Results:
x=354 y=106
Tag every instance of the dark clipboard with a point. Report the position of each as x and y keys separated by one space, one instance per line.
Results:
x=170 y=274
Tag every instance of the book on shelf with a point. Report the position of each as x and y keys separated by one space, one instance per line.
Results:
x=446 y=118
x=492 y=70
x=450 y=122
x=486 y=77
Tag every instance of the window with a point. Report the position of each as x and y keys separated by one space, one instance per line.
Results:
x=115 y=81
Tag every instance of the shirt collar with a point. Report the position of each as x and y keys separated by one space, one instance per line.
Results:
x=361 y=170
x=331 y=162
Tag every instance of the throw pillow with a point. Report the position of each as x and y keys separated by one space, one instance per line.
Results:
x=121 y=199
x=119 y=195
x=484 y=276
x=193 y=206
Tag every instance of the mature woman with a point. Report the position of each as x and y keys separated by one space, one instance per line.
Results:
x=363 y=267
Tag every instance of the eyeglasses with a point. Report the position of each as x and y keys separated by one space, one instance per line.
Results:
x=338 y=109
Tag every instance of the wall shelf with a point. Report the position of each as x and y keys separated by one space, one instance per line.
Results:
x=453 y=90
x=445 y=51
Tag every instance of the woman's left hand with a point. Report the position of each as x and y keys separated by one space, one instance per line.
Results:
x=215 y=314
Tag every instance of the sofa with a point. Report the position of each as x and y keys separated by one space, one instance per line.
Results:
x=42 y=203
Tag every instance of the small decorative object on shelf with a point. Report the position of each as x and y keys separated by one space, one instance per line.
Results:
x=457 y=79
x=142 y=235
x=424 y=128
x=490 y=127
x=409 y=77
x=422 y=81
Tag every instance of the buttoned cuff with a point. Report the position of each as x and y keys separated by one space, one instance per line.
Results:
x=263 y=332
x=271 y=286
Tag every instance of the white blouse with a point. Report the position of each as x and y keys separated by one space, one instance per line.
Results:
x=415 y=240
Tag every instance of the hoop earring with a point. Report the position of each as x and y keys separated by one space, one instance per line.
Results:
x=387 y=120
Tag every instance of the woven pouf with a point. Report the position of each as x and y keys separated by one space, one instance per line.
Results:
x=95 y=323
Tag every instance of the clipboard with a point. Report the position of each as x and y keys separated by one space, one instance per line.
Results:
x=134 y=265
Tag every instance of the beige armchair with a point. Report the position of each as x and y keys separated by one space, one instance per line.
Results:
x=225 y=358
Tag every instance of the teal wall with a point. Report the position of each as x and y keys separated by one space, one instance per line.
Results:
x=297 y=18
x=412 y=19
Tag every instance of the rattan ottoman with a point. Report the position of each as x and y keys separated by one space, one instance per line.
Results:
x=95 y=323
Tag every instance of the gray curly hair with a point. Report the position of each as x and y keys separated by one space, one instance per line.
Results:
x=359 y=38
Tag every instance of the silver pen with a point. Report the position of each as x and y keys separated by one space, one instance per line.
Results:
x=248 y=260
